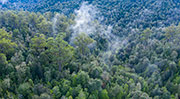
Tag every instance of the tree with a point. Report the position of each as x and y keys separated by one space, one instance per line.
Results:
x=45 y=96
x=3 y=63
x=11 y=20
x=165 y=93
x=170 y=32
x=94 y=85
x=74 y=92
x=37 y=47
x=5 y=87
x=93 y=96
x=81 y=95
x=177 y=80
x=56 y=92
x=104 y=94
x=146 y=33
x=44 y=27
x=25 y=89
x=7 y=47
x=23 y=71
x=96 y=72
x=83 y=42
x=38 y=44
x=61 y=24
x=62 y=52
x=82 y=78
x=138 y=95
x=17 y=59
x=65 y=86
x=117 y=92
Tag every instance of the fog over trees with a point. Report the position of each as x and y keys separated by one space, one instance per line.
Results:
x=89 y=49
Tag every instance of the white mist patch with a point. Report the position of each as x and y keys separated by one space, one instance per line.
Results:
x=84 y=20
x=3 y=1
x=114 y=42
x=88 y=21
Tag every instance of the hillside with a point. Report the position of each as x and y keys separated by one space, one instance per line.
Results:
x=89 y=49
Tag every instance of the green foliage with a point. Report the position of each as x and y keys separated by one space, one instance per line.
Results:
x=38 y=44
x=82 y=42
x=81 y=95
x=62 y=51
x=56 y=92
x=117 y=92
x=74 y=92
x=3 y=60
x=22 y=72
x=5 y=85
x=104 y=94
x=45 y=96
x=25 y=89
x=40 y=60
x=96 y=72
x=7 y=47
x=82 y=78
x=177 y=80
x=94 y=85
x=146 y=33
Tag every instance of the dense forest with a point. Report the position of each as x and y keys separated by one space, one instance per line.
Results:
x=89 y=49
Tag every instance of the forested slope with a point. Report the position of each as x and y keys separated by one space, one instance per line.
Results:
x=99 y=49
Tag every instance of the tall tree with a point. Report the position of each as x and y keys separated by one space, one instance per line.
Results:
x=61 y=50
x=83 y=43
x=7 y=46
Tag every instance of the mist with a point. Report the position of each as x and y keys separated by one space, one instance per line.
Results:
x=89 y=21
x=3 y=1
x=84 y=21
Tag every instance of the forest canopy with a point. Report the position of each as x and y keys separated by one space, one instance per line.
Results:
x=90 y=49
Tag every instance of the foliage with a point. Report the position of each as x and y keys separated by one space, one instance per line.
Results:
x=40 y=61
